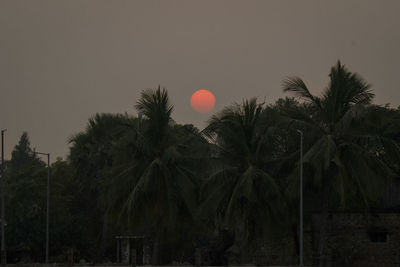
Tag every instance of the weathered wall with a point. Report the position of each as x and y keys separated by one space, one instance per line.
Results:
x=355 y=239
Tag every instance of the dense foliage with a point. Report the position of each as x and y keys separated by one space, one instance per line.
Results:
x=228 y=189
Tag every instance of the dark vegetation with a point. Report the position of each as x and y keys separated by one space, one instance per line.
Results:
x=229 y=188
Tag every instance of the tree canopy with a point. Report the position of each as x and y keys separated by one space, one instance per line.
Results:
x=229 y=188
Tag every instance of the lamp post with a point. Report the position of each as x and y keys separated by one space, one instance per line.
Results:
x=301 y=198
x=48 y=203
x=3 y=245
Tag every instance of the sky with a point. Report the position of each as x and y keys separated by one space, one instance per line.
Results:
x=61 y=62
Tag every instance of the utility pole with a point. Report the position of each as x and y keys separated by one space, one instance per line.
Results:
x=48 y=208
x=301 y=198
x=3 y=245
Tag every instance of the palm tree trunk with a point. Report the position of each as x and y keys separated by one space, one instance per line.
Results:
x=323 y=225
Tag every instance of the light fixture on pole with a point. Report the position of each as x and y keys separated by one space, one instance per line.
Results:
x=3 y=245
x=301 y=198
x=48 y=203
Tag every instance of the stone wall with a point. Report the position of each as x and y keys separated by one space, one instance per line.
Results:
x=355 y=239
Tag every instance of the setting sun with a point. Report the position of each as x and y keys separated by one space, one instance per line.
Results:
x=202 y=101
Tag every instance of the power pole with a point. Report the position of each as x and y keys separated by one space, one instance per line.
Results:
x=3 y=245
x=48 y=208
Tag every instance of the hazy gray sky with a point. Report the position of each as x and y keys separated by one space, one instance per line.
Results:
x=63 y=61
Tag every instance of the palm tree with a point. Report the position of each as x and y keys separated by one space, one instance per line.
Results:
x=152 y=186
x=241 y=194
x=342 y=155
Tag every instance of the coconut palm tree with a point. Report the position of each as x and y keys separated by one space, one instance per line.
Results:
x=152 y=186
x=342 y=157
x=241 y=194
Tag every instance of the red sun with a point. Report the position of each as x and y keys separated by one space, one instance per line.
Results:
x=202 y=101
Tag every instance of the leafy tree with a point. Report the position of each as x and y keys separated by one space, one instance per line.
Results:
x=25 y=204
x=65 y=224
x=22 y=154
x=90 y=154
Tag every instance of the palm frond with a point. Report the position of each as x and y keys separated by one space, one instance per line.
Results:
x=297 y=86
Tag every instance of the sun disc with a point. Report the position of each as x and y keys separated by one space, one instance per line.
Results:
x=202 y=101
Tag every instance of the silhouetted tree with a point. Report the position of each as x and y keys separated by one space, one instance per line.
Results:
x=241 y=195
x=340 y=158
x=152 y=187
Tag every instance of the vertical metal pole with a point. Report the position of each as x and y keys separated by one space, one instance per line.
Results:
x=48 y=206
x=301 y=198
x=3 y=245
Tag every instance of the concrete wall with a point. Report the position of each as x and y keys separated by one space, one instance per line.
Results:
x=355 y=239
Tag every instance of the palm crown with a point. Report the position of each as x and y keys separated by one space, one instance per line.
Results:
x=241 y=193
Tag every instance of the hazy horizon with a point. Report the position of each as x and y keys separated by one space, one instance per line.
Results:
x=64 y=61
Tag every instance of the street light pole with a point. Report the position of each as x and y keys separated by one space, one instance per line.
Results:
x=3 y=245
x=48 y=203
x=301 y=198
